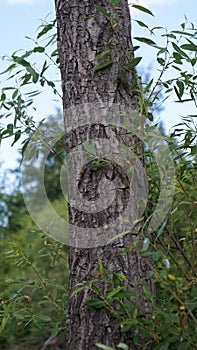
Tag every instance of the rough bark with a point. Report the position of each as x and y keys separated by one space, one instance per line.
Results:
x=82 y=34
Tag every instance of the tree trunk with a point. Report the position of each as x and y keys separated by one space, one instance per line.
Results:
x=83 y=33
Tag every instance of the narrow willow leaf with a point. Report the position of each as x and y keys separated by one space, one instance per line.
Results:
x=193 y=61
x=177 y=93
x=95 y=303
x=104 y=347
x=45 y=29
x=102 y=65
x=122 y=346
x=114 y=292
x=39 y=49
x=180 y=85
x=161 y=229
x=161 y=61
x=76 y=291
x=182 y=33
x=43 y=318
x=189 y=47
x=35 y=75
x=54 y=53
x=143 y=9
x=146 y=89
x=135 y=61
x=103 y=10
x=44 y=68
x=3 y=96
x=10 y=128
x=141 y=24
x=16 y=137
x=181 y=52
x=103 y=54
x=145 y=40
x=9 y=69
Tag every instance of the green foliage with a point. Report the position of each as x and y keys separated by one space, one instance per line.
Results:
x=33 y=281
x=17 y=99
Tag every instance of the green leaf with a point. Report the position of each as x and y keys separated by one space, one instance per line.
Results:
x=177 y=93
x=114 y=292
x=95 y=303
x=103 y=10
x=34 y=74
x=161 y=229
x=162 y=50
x=145 y=40
x=193 y=150
x=141 y=24
x=180 y=85
x=161 y=61
x=54 y=53
x=89 y=148
x=54 y=294
x=156 y=255
x=15 y=93
x=115 y=2
x=9 y=69
x=43 y=318
x=26 y=78
x=10 y=128
x=135 y=61
x=103 y=54
x=104 y=347
x=148 y=86
x=3 y=96
x=76 y=291
x=181 y=52
x=122 y=346
x=16 y=137
x=100 y=265
x=54 y=332
x=102 y=65
x=190 y=47
x=45 y=29
x=39 y=49
x=147 y=294
x=193 y=61
x=182 y=32
x=20 y=60
x=143 y=9
x=3 y=323
x=146 y=244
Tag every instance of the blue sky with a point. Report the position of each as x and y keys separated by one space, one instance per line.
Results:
x=20 y=18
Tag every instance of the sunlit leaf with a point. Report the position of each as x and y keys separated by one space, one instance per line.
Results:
x=143 y=9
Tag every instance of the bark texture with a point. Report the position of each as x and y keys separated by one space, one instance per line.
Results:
x=82 y=34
